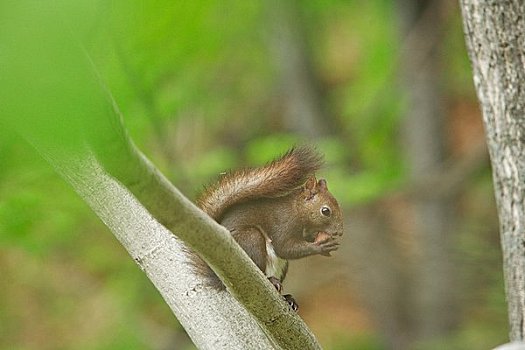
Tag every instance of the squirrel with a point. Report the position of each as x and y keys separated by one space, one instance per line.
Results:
x=276 y=212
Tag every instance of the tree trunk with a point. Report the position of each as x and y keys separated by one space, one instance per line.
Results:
x=495 y=36
x=379 y=271
x=423 y=134
x=304 y=110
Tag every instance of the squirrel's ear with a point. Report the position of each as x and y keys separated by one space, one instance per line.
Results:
x=322 y=185
x=310 y=187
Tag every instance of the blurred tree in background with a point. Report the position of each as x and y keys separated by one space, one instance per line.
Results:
x=382 y=87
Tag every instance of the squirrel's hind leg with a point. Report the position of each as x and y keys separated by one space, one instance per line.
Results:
x=287 y=297
x=253 y=242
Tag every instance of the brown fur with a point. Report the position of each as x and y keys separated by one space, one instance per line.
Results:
x=275 y=179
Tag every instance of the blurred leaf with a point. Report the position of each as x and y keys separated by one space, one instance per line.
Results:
x=361 y=188
x=213 y=163
x=18 y=215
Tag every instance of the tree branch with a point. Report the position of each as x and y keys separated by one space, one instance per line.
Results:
x=53 y=97
x=213 y=242
x=213 y=320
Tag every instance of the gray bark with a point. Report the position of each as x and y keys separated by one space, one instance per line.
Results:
x=495 y=36
x=511 y=346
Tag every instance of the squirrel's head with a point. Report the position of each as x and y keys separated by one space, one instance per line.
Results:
x=322 y=212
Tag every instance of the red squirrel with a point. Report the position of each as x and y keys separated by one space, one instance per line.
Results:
x=276 y=212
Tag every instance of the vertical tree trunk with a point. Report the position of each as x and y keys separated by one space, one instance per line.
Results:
x=423 y=132
x=378 y=268
x=495 y=36
x=304 y=110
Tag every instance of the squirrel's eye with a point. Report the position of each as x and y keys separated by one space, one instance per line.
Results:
x=326 y=210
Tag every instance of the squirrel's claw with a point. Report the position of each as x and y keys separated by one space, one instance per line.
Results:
x=291 y=302
x=276 y=283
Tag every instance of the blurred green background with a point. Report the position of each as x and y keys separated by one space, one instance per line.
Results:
x=383 y=88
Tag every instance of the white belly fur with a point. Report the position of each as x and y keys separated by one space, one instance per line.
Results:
x=275 y=266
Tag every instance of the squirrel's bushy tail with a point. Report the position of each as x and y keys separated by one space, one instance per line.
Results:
x=275 y=179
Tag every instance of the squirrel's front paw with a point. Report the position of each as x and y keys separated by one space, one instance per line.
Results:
x=326 y=243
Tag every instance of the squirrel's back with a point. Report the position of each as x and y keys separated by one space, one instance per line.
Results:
x=276 y=179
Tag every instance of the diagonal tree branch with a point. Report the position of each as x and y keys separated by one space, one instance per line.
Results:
x=214 y=320
x=54 y=98
x=213 y=243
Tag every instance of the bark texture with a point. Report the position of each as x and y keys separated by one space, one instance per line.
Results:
x=495 y=36
x=512 y=346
